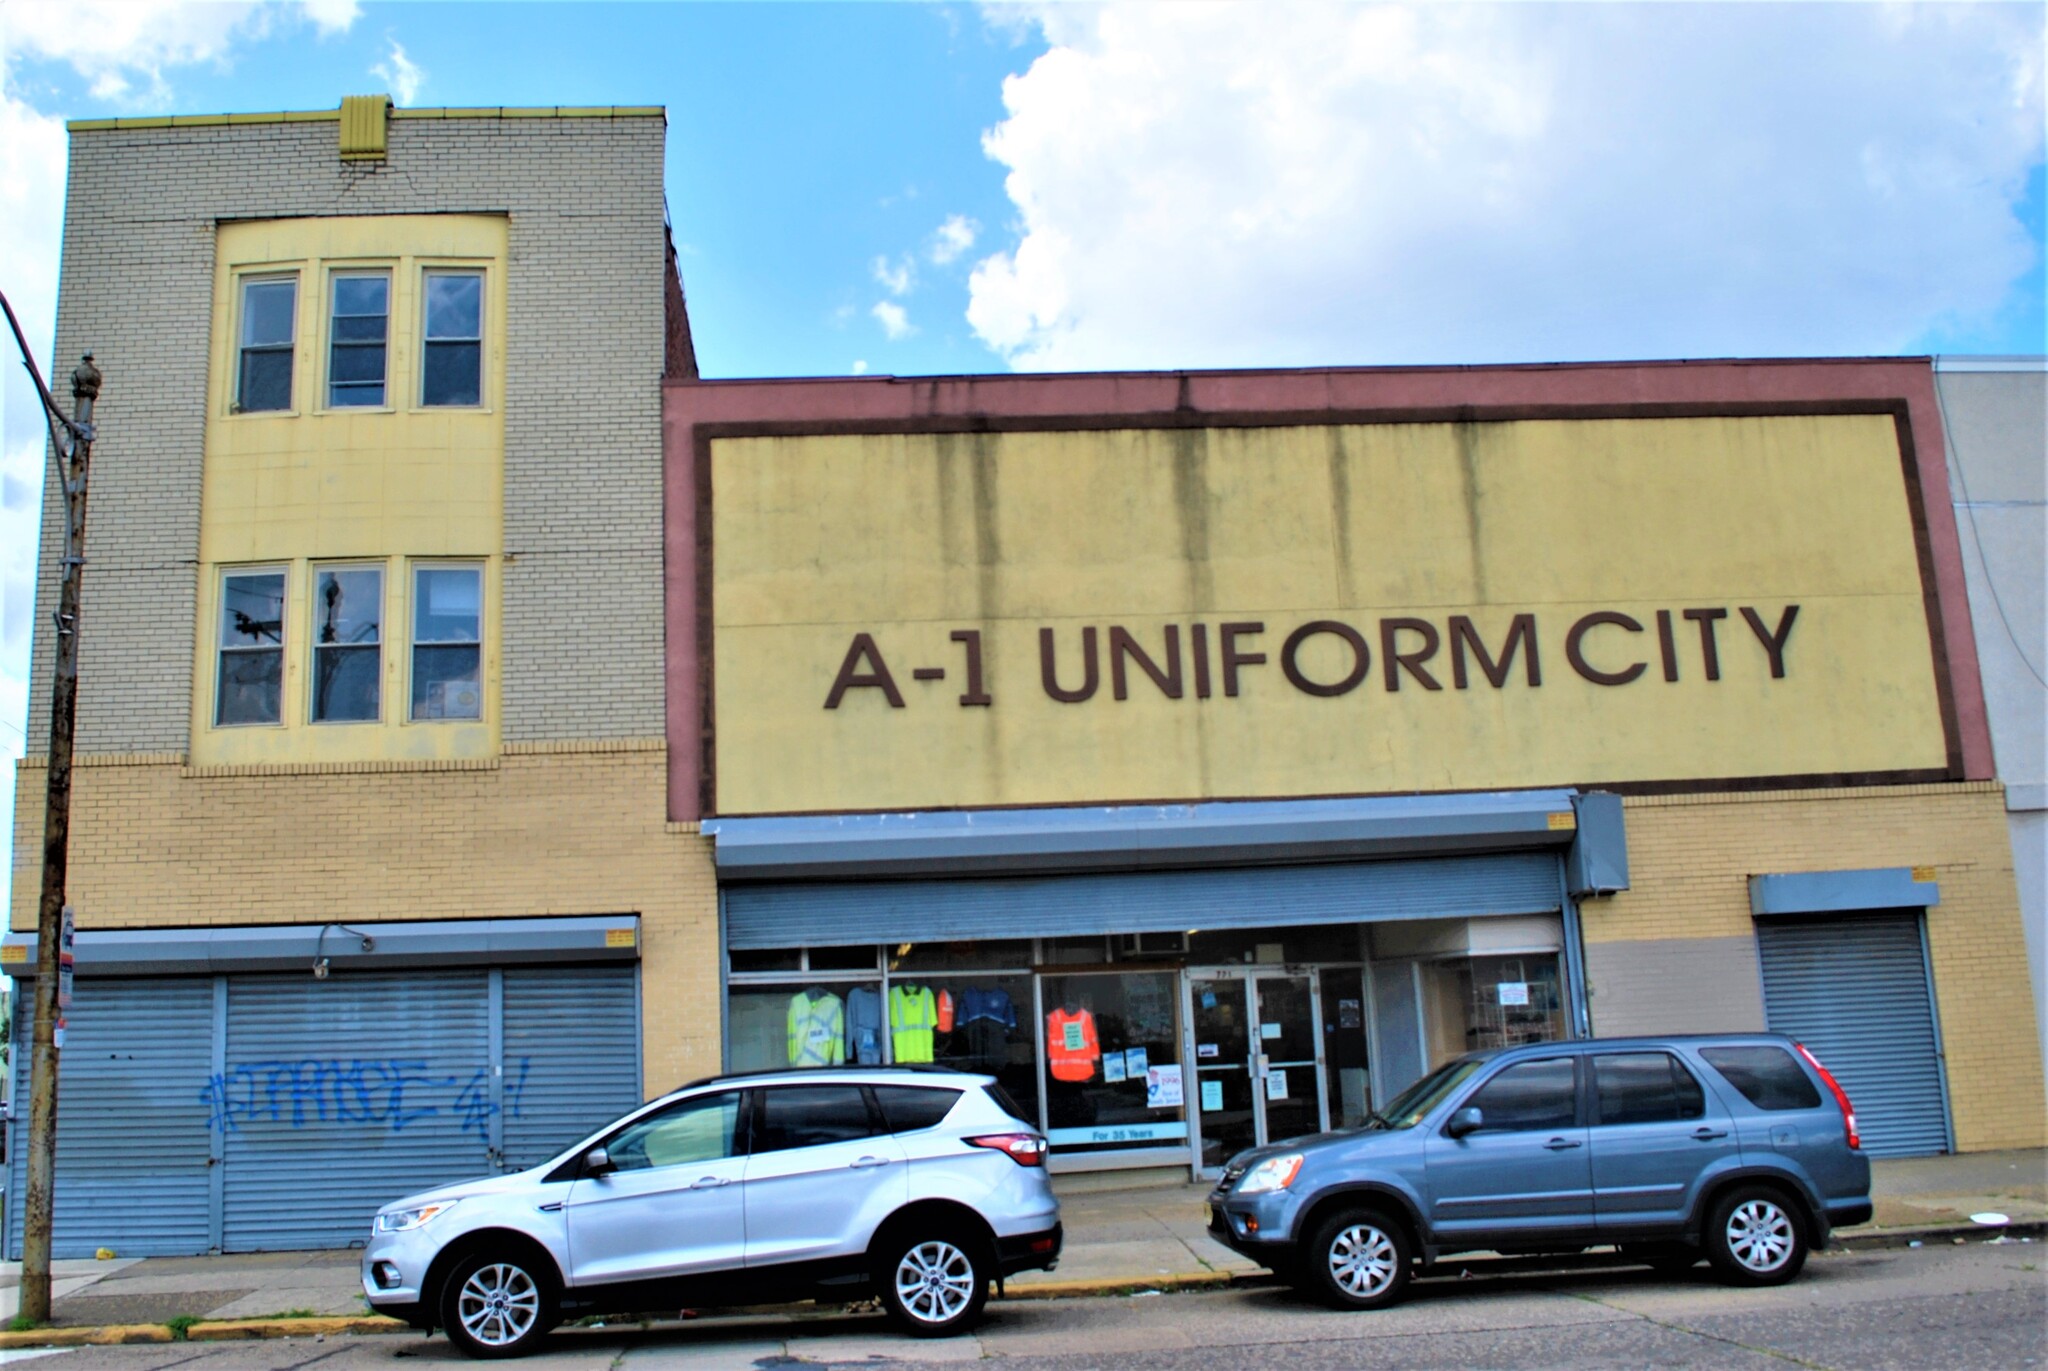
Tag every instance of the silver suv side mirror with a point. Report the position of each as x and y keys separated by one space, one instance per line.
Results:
x=1466 y=1120
x=598 y=1162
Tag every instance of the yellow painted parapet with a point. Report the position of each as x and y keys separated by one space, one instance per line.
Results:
x=363 y=123
x=915 y=620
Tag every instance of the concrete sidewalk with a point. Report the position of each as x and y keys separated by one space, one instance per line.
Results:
x=1153 y=1237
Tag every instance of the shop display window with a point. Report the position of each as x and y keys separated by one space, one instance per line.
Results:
x=1474 y=1004
x=1112 y=1059
x=794 y=1024
x=969 y=1022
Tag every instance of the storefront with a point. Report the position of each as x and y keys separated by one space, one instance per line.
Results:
x=1301 y=967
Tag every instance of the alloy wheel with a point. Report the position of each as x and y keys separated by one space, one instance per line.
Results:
x=498 y=1305
x=935 y=1282
x=1759 y=1235
x=1362 y=1260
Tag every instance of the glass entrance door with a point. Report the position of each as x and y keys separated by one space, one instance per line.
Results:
x=1258 y=1059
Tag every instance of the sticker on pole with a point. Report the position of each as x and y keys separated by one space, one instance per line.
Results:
x=67 y=940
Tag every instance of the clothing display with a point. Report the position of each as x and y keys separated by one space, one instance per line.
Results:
x=913 y=1014
x=945 y=1011
x=992 y=1005
x=1072 y=1049
x=864 y=1025
x=817 y=1029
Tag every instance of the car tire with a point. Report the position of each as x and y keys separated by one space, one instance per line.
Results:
x=1756 y=1236
x=497 y=1304
x=933 y=1283
x=1357 y=1259
x=1666 y=1259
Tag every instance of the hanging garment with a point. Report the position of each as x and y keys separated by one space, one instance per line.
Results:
x=1072 y=1049
x=864 y=1025
x=988 y=1045
x=991 y=1004
x=913 y=1014
x=945 y=1011
x=817 y=1030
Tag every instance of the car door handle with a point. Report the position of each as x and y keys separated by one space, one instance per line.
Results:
x=1708 y=1134
x=864 y=1163
x=710 y=1182
x=1560 y=1144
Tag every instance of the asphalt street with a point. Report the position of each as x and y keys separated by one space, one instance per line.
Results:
x=1981 y=1305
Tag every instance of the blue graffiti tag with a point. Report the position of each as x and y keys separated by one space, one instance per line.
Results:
x=388 y=1092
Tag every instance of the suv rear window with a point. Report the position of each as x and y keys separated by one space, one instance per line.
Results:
x=1008 y=1105
x=1768 y=1077
x=908 y=1108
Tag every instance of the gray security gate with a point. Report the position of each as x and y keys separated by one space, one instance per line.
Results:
x=270 y=1112
x=1855 y=989
x=132 y=1143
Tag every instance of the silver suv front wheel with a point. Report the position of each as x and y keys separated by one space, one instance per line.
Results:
x=496 y=1305
x=933 y=1284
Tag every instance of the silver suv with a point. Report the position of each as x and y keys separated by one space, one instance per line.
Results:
x=1739 y=1150
x=919 y=1186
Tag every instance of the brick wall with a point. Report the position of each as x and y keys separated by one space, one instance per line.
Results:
x=585 y=351
x=1690 y=857
x=563 y=829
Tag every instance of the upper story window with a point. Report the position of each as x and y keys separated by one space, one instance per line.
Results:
x=251 y=684
x=269 y=312
x=447 y=642
x=453 y=366
x=356 y=339
x=348 y=617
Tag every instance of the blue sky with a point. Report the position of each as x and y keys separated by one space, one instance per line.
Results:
x=921 y=188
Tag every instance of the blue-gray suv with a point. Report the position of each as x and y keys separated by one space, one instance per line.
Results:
x=1738 y=1149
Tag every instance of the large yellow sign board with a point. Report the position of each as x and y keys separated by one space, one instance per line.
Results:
x=919 y=621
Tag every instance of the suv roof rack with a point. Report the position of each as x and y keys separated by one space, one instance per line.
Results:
x=918 y=1068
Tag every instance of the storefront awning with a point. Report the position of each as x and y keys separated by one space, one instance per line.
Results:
x=1138 y=837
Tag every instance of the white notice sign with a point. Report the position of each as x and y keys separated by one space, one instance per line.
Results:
x=1162 y=1087
x=1276 y=1085
x=1513 y=992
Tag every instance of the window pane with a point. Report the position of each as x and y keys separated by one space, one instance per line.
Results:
x=345 y=684
x=1528 y=1095
x=447 y=604
x=359 y=328
x=267 y=312
x=772 y=1028
x=907 y=1108
x=445 y=683
x=811 y=1116
x=454 y=374
x=251 y=687
x=1100 y=1036
x=698 y=1130
x=252 y=609
x=454 y=305
x=1767 y=1076
x=359 y=363
x=266 y=382
x=362 y=295
x=858 y=957
x=1635 y=1087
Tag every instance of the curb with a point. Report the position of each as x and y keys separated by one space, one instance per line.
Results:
x=1123 y=1285
x=1880 y=1238
x=233 y=1330
x=107 y=1335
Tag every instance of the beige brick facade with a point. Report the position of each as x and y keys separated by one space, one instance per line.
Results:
x=1690 y=857
x=569 y=829
x=584 y=357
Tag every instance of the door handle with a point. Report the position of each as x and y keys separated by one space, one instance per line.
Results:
x=1708 y=1134
x=864 y=1163
x=1560 y=1144
x=709 y=1182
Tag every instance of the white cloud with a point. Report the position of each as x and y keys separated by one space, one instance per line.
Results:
x=860 y=368
x=952 y=238
x=115 y=43
x=896 y=277
x=1199 y=185
x=895 y=323
x=400 y=73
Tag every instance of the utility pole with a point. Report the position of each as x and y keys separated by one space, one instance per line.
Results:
x=71 y=450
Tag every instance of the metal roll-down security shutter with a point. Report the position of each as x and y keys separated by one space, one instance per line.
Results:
x=1854 y=989
x=572 y=1057
x=132 y=1171
x=339 y=1096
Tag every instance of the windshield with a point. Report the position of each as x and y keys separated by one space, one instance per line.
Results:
x=1406 y=1109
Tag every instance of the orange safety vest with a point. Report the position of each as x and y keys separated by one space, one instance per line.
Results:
x=945 y=1011
x=1071 y=1046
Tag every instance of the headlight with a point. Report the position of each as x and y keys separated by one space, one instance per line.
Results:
x=402 y=1220
x=1274 y=1173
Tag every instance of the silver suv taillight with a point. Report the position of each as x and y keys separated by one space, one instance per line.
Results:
x=1025 y=1149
